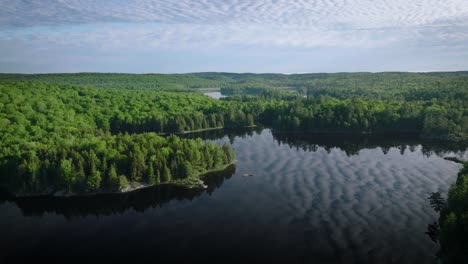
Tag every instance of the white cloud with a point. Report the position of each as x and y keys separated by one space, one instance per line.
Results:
x=300 y=13
x=183 y=36
x=139 y=26
x=257 y=22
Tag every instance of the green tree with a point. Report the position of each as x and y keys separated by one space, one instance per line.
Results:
x=93 y=181
x=66 y=173
x=166 y=177
x=114 y=181
x=151 y=176
x=186 y=170
x=123 y=182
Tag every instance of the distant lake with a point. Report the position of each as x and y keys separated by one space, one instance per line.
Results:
x=215 y=95
x=306 y=198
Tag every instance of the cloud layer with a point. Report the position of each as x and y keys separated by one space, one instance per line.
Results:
x=103 y=27
x=325 y=14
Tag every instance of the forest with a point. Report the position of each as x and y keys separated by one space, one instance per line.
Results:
x=57 y=137
x=386 y=85
x=87 y=132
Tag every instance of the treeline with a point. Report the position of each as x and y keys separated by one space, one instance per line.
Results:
x=111 y=204
x=172 y=82
x=60 y=137
x=33 y=110
x=435 y=119
x=36 y=111
x=252 y=93
x=452 y=228
x=392 y=86
x=111 y=163
x=444 y=120
x=387 y=85
x=231 y=117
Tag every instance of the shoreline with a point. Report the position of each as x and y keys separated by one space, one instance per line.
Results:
x=201 y=130
x=196 y=182
x=190 y=131
x=416 y=134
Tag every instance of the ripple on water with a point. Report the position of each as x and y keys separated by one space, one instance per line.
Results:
x=367 y=201
x=308 y=197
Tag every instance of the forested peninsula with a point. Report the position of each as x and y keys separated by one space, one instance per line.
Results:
x=60 y=139
x=89 y=132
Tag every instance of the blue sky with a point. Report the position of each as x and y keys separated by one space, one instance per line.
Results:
x=287 y=36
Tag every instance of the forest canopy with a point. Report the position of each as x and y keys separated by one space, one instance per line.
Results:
x=60 y=137
x=386 y=85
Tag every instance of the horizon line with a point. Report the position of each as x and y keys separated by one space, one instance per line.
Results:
x=227 y=72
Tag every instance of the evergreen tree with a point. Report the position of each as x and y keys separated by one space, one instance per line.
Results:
x=151 y=177
x=166 y=177
x=112 y=177
x=158 y=177
x=66 y=173
x=123 y=182
x=93 y=182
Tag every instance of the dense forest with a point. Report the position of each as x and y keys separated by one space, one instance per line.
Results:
x=432 y=119
x=89 y=131
x=387 y=85
x=57 y=137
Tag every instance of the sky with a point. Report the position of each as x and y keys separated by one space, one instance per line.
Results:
x=284 y=36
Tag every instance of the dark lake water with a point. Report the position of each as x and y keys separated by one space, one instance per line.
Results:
x=321 y=199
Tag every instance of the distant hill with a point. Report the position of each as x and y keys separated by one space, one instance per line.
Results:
x=395 y=85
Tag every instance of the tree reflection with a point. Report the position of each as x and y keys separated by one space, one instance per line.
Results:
x=352 y=144
x=231 y=134
x=109 y=204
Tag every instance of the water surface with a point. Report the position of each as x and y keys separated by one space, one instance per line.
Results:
x=311 y=198
x=215 y=95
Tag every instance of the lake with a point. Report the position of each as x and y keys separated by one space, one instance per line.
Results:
x=345 y=199
x=215 y=95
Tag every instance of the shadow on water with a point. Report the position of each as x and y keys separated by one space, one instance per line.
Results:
x=109 y=204
x=351 y=144
x=230 y=133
